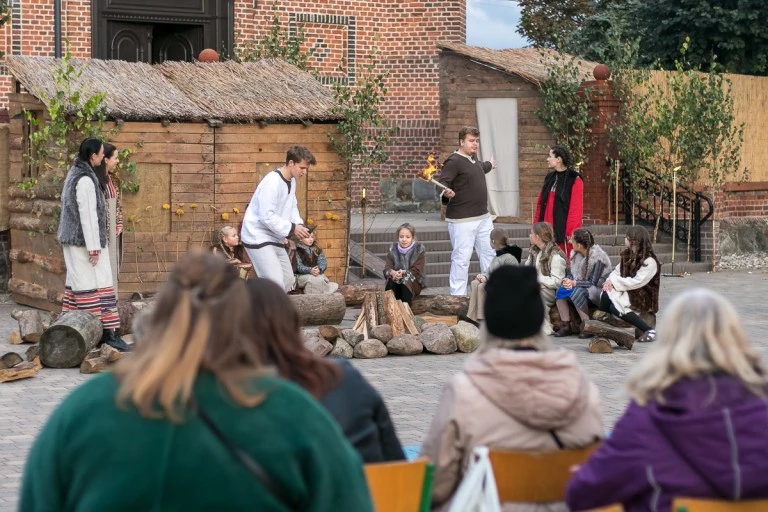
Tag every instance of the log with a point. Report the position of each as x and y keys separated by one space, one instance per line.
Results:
x=440 y=304
x=408 y=320
x=22 y=370
x=30 y=325
x=320 y=309
x=600 y=346
x=624 y=337
x=128 y=311
x=393 y=314
x=66 y=342
x=10 y=360
x=47 y=263
x=94 y=365
x=448 y=320
x=380 y=311
x=355 y=293
x=369 y=311
x=35 y=291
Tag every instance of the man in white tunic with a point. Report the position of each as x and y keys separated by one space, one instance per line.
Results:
x=273 y=215
x=83 y=237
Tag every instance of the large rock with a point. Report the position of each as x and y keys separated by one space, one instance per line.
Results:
x=383 y=333
x=419 y=322
x=438 y=339
x=370 y=349
x=318 y=346
x=351 y=336
x=342 y=349
x=467 y=336
x=426 y=325
x=405 y=345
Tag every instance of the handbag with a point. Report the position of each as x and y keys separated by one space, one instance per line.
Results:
x=256 y=469
x=477 y=491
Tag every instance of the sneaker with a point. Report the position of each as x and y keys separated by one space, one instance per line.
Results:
x=647 y=336
x=585 y=336
x=564 y=331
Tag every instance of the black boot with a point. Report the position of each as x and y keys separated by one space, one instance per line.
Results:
x=113 y=339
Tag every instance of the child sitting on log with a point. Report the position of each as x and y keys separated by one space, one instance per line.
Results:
x=551 y=266
x=404 y=268
x=228 y=245
x=310 y=265
x=505 y=255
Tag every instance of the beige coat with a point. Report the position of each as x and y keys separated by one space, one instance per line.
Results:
x=510 y=399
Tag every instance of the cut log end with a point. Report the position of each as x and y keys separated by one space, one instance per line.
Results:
x=600 y=346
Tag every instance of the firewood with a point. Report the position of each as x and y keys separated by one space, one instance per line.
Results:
x=381 y=314
x=600 y=346
x=408 y=321
x=359 y=322
x=448 y=320
x=326 y=308
x=393 y=313
x=354 y=294
x=440 y=304
x=94 y=365
x=111 y=354
x=624 y=337
x=23 y=370
x=369 y=309
x=10 y=360
x=66 y=342
x=15 y=338
x=329 y=332
x=30 y=324
x=33 y=352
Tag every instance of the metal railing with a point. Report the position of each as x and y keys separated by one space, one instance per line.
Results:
x=652 y=203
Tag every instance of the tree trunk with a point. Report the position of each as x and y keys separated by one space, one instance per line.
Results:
x=355 y=293
x=322 y=309
x=440 y=304
x=624 y=337
x=47 y=263
x=66 y=343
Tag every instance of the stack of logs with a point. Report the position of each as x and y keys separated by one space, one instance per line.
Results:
x=381 y=307
x=32 y=324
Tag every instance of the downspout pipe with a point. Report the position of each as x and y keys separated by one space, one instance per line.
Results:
x=57 y=28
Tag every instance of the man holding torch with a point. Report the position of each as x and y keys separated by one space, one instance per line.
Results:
x=466 y=195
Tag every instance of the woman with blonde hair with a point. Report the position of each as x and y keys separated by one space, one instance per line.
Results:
x=695 y=425
x=193 y=420
x=551 y=266
x=514 y=393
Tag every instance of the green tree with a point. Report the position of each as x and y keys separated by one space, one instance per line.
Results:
x=277 y=43
x=549 y=23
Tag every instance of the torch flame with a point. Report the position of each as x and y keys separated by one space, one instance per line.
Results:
x=427 y=173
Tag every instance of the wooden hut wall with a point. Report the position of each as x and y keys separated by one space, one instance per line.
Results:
x=462 y=82
x=199 y=173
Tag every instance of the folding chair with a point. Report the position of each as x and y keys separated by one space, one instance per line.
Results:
x=704 y=505
x=400 y=486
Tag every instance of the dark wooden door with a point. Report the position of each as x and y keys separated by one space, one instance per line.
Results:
x=176 y=42
x=131 y=42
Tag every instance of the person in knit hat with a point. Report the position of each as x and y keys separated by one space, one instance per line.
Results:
x=515 y=393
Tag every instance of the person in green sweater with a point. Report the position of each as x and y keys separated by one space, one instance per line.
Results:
x=193 y=420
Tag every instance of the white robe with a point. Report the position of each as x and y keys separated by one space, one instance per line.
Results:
x=621 y=285
x=272 y=212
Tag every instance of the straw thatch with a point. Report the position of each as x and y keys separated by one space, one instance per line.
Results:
x=267 y=90
x=530 y=64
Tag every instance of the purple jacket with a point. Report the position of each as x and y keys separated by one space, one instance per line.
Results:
x=708 y=440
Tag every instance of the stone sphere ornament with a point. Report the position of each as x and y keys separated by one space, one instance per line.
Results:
x=601 y=72
x=208 y=55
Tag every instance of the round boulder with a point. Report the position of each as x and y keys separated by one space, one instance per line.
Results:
x=351 y=336
x=467 y=336
x=370 y=349
x=405 y=345
x=383 y=333
x=439 y=340
x=342 y=349
x=318 y=346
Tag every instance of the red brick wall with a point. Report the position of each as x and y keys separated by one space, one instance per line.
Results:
x=342 y=32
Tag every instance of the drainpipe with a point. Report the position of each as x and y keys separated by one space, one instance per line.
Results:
x=57 y=28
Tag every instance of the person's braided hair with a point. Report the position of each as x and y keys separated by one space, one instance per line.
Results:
x=584 y=237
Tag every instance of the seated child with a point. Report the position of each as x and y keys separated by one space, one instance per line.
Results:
x=228 y=245
x=505 y=255
x=404 y=268
x=311 y=265
x=550 y=264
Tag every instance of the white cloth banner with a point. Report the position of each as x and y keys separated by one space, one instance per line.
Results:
x=497 y=121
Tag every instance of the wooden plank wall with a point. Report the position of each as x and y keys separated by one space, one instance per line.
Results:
x=199 y=171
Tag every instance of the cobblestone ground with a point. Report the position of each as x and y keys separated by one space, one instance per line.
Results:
x=410 y=385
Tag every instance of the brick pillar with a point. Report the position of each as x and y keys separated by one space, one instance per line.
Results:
x=596 y=172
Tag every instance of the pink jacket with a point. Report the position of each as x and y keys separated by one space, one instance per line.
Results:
x=510 y=399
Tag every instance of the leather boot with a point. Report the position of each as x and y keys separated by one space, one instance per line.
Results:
x=113 y=339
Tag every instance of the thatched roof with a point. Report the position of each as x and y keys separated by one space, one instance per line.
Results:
x=268 y=90
x=530 y=64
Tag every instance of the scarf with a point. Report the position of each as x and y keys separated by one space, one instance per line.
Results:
x=405 y=260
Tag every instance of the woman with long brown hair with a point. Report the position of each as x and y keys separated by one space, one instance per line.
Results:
x=633 y=286
x=193 y=420
x=340 y=388
x=549 y=260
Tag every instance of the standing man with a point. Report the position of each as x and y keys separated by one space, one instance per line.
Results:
x=469 y=223
x=273 y=215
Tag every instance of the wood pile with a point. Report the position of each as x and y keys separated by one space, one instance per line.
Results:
x=381 y=308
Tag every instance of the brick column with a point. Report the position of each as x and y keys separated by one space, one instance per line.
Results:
x=604 y=110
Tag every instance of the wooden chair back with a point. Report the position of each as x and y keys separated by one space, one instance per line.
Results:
x=397 y=486
x=704 y=505
x=536 y=477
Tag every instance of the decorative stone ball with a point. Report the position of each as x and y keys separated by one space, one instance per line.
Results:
x=601 y=72
x=208 y=55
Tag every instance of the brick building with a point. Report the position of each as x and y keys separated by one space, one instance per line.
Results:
x=341 y=33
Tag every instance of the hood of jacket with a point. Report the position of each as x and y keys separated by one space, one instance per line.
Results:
x=542 y=389
x=718 y=427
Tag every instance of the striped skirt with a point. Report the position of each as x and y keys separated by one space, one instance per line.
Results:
x=100 y=302
x=90 y=287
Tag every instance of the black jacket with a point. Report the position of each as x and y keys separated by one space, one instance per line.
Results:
x=363 y=417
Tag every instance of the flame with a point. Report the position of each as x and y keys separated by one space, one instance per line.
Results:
x=427 y=173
